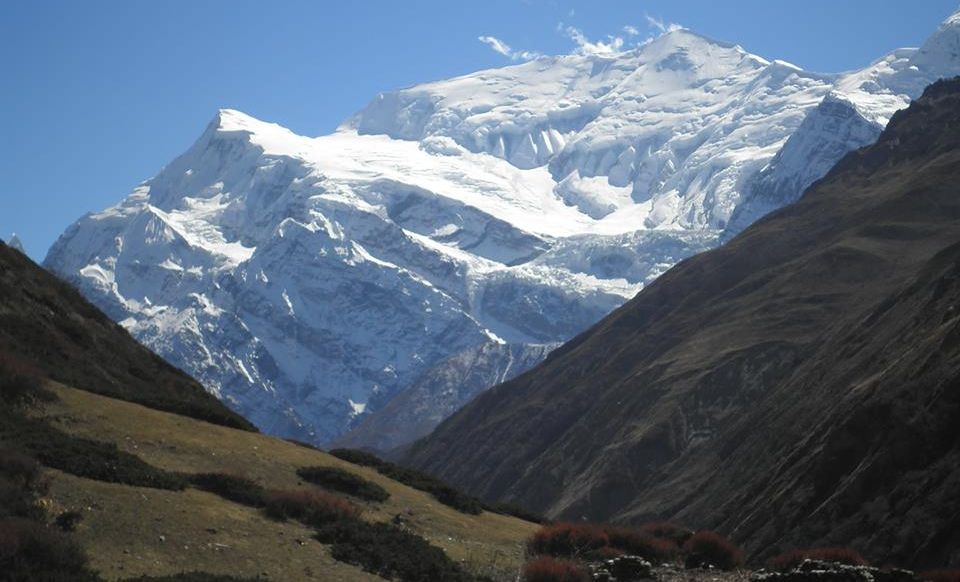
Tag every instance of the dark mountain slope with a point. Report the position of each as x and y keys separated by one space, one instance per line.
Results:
x=46 y=322
x=799 y=386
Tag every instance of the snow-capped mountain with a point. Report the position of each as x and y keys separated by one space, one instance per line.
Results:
x=451 y=230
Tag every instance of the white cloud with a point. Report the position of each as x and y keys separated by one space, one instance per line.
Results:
x=586 y=46
x=631 y=37
x=504 y=49
x=496 y=44
x=660 y=26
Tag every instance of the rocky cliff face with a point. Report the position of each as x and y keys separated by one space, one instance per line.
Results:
x=440 y=392
x=309 y=281
x=796 y=387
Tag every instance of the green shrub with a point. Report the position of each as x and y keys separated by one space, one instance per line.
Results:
x=232 y=487
x=21 y=383
x=358 y=457
x=342 y=481
x=440 y=491
x=80 y=456
x=68 y=520
x=312 y=508
x=31 y=552
x=389 y=552
x=21 y=483
x=15 y=501
x=20 y=470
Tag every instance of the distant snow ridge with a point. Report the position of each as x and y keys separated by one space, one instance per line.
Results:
x=448 y=234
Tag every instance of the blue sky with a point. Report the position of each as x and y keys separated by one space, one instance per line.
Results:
x=98 y=95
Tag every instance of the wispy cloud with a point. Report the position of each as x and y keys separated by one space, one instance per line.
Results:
x=496 y=44
x=660 y=26
x=631 y=36
x=613 y=45
x=506 y=50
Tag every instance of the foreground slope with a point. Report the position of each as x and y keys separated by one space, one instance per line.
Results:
x=310 y=281
x=795 y=387
x=130 y=531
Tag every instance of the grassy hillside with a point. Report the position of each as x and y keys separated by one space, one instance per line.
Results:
x=131 y=531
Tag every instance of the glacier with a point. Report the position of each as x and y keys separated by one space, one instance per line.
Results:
x=359 y=287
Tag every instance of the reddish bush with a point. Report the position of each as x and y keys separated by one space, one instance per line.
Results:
x=635 y=543
x=708 y=548
x=312 y=508
x=790 y=560
x=545 y=569
x=567 y=540
x=668 y=531
x=940 y=575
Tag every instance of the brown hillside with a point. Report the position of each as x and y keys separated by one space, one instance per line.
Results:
x=799 y=386
x=46 y=321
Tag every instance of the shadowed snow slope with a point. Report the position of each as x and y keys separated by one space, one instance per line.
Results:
x=465 y=223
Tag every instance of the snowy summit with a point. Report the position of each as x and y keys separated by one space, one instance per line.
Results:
x=448 y=234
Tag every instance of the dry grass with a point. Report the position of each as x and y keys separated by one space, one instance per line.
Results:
x=133 y=531
x=176 y=443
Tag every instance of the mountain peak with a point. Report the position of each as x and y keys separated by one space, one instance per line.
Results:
x=14 y=242
x=682 y=45
x=943 y=46
x=235 y=125
x=235 y=120
x=953 y=19
x=684 y=36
